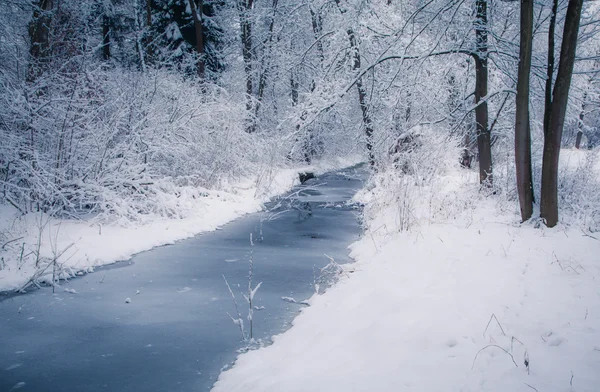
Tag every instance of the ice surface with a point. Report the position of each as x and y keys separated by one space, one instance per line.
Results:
x=175 y=334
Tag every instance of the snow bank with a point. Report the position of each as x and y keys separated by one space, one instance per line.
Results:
x=446 y=308
x=449 y=293
x=82 y=245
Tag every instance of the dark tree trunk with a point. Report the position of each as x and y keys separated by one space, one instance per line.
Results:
x=362 y=98
x=148 y=13
x=522 y=130
x=106 y=37
x=244 y=8
x=197 y=16
x=481 y=82
x=580 y=123
x=550 y=69
x=39 y=34
x=362 y=91
x=560 y=97
x=266 y=60
x=317 y=30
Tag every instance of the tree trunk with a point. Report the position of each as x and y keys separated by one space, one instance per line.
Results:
x=106 y=37
x=522 y=130
x=550 y=69
x=362 y=91
x=244 y=8
x=317 y=30
x=560 y=97
x=197 y=16
x=481 y=81
x=580 y=123
x=362 y=98
x=39 y=34
x=266 y=61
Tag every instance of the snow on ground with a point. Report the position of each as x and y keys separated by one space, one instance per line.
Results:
x=89 y=243
x=476 y=302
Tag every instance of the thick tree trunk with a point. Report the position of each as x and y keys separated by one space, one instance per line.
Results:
x=522 y=130
x=481 y=82
x=560 y=97
x=197 y=16
x=550 y=68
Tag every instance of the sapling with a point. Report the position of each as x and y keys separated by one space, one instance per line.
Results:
x=251 y=291
x=239 y=321
x=249 y=297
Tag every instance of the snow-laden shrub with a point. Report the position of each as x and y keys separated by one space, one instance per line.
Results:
x=578 y=185
x=418 y=185
x=111 y=141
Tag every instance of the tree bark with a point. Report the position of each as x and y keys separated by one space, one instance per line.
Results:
x=244 y=8
x=362 y=91
x=362 y=98
x=197 y=16
x=106 y=37
x=522 y=130
x=580 y=123
x=317 y=31
x=481 y=84
x=39 y=34
x=550 y=68
x=560 y=97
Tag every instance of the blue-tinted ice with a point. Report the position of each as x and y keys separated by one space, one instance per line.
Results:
x=175 y=334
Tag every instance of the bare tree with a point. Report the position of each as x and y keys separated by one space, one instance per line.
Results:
x=360 y=87
x=522 y=127
x=560 y=97
x=481 y=90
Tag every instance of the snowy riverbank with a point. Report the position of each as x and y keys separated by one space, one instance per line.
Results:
x=83 y=245
x=469 y=302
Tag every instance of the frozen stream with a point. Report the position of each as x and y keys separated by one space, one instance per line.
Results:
x=175 y=334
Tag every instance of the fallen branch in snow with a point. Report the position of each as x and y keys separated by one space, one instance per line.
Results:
x=493 y=345
x=8 y=242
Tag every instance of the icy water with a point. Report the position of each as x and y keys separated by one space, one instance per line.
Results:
x=175 y=334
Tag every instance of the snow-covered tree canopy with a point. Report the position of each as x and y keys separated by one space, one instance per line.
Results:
x=105 y=102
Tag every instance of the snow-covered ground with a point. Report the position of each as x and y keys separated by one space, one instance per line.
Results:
x=82 y=245
x=471 y=302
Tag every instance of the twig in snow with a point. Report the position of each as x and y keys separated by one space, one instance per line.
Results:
x=571 y=381
x=591 y=236
x=8 y=242
x=531 y=387
x=493 y=316
x=493 y=345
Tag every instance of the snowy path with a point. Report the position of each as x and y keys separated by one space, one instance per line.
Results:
x=159 y=322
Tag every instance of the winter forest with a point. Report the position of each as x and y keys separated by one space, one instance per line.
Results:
x=452 y=144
